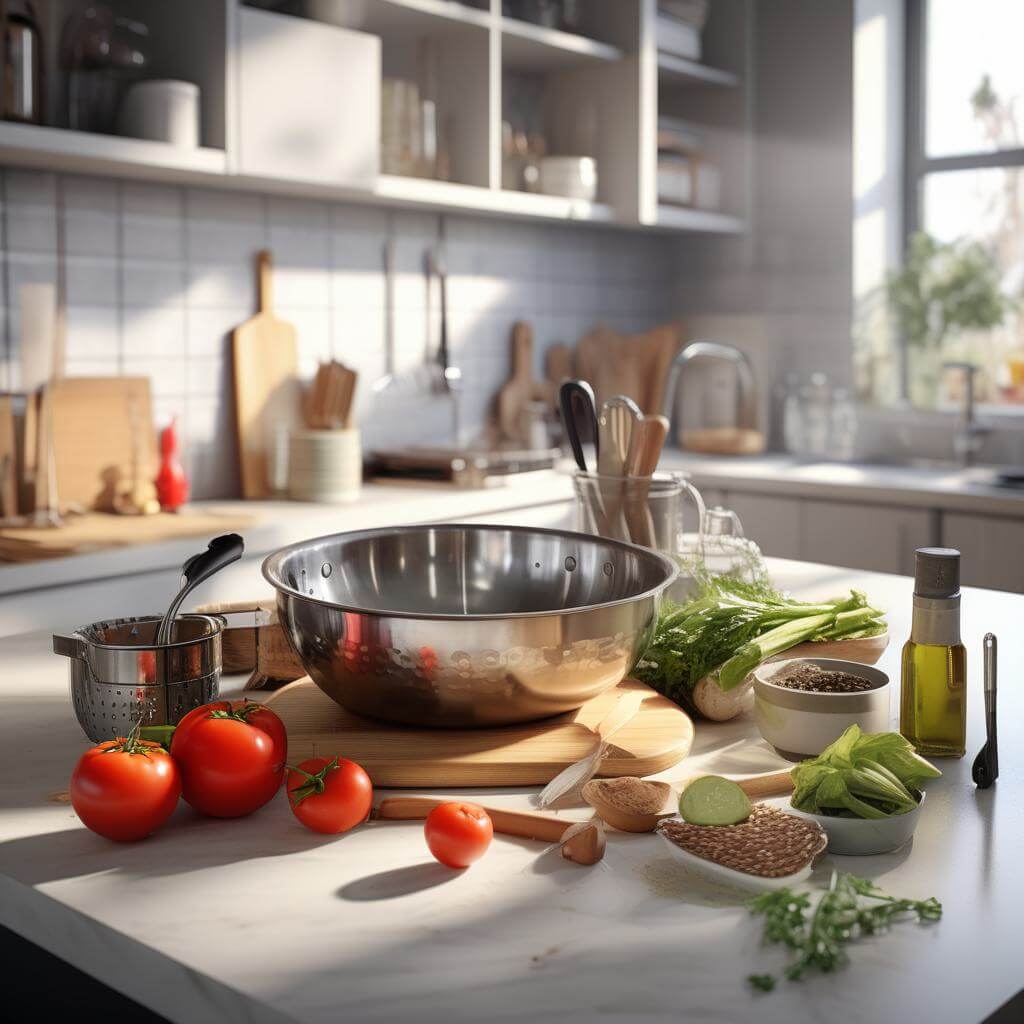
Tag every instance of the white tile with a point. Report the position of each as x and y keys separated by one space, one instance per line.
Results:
x=167 y=377
x=92 y=281
x=204 y=205
x=353 y=218
x=208 y=331
x=207 y=378
x=103 y=367
x=92 y=333
x=30 y=186
x=88 y=193
x=91 y=232
x=23 y=268
x=152 y=236
x=301 y=286
x=221 y=286
x=154 y=283
x=357 y=291
x=31 y=228
x=154 y=332
x=147 y=200
x=211 y=241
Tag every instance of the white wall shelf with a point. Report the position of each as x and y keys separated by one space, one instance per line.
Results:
x=680 y=71
x=608 y=77
x=526 y=47
x=29 y=145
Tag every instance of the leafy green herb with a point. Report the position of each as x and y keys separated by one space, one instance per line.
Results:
x=732 y=626
x=849 y=909
x=862 y=776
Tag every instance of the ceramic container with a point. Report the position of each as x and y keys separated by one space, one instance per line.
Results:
x=802 y=723
x=865 y=837
x=164 y=110
x=325 y=465
x=572 y=176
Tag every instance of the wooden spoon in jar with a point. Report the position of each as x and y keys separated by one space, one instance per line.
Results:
x=757 y=788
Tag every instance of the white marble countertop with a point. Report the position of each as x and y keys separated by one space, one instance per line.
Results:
x=260 y=920
x=965 y=490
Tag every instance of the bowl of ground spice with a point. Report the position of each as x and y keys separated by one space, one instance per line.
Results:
x=801 y=705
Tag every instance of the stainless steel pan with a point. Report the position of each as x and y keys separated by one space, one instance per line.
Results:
x=459 y=625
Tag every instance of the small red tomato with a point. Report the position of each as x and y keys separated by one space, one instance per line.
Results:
x=231 y=756
x=125 y=789
x=458 y=834
x=330 y=796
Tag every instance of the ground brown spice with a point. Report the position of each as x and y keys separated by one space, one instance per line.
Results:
x=633 y=795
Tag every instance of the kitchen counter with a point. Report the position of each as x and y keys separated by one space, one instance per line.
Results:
x=954 y=488
x=259 y=920
x=276 y=523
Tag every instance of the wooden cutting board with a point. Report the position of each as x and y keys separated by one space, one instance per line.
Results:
x=100 y=427
x=97 y=531
x=267 y=392
x=658 y=737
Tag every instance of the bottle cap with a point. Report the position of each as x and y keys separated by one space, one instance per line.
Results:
x=937 y=572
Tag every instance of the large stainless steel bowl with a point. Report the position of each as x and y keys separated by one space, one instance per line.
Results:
x=467 y=625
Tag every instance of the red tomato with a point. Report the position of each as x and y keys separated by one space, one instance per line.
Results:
x=458 y=834
x=231 y=756
x=330 y=796
x=125 y=789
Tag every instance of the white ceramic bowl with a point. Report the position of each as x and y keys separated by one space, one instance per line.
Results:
x=865 y=837
x=572 y=176
x=802 y=723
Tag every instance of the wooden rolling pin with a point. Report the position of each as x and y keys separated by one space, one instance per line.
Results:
x=760 y=786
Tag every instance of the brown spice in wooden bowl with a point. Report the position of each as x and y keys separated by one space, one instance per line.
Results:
x=769 y=843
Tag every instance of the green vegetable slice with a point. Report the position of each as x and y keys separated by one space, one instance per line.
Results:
x=712 y=800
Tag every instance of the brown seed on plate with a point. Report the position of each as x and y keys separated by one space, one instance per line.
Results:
x=769 y=843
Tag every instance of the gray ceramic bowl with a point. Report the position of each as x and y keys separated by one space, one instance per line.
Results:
x=865 y=837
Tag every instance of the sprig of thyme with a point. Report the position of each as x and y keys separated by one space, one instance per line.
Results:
x=850 y=908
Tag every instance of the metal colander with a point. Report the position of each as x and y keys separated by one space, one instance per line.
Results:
x=120 y=676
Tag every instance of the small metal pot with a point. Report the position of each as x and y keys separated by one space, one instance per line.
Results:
x=120 y=676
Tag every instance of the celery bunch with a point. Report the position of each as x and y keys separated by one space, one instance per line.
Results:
x=733 y=626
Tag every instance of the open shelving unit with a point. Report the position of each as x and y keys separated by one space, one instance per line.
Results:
x=600 y=93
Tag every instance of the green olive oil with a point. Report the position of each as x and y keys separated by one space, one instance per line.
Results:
x=933 y=704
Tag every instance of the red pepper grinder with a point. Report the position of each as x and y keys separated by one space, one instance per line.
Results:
x=171 y=481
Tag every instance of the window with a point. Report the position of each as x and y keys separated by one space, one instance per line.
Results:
x=964 y=189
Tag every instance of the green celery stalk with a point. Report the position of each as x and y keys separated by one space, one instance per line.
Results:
x=751 y=654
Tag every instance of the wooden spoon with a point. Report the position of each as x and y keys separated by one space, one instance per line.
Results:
x=757 y=788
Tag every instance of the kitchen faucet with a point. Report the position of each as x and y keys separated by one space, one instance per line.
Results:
x=746 y=391
x=969 y=434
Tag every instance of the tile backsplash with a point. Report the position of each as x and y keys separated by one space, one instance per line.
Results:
x=157 y=276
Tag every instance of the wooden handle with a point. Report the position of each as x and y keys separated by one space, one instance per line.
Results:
x=543 y=827
x=776 y=784
x=264 y=280
x=522 y=350
x=650 y=434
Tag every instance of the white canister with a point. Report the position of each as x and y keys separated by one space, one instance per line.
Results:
x=161 y=109
x=572 y=176
x=325 y=465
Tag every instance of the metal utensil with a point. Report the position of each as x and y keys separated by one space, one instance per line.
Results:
x=220 y=552
x=615 y=426
x=121 y=676
x=467 y=625
x=985 y=769
x=384 y=382
x=579 y=417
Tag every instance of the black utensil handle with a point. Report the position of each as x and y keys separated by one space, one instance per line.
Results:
x=579 y=416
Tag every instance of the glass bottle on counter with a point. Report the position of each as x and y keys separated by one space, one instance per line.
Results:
x=933 y=701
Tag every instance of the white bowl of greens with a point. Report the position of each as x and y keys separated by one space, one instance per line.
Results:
x=864 y=790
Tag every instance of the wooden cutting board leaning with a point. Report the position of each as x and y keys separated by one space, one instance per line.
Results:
x=267 y=392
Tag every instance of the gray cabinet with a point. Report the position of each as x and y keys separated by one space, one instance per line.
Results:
x=878 y=537
x=992 y=549
x=772 y=522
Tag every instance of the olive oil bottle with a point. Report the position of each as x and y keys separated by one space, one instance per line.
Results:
x=933 y=701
